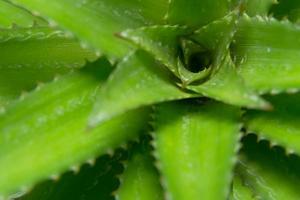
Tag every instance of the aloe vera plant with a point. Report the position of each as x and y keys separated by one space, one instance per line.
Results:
x=149 y=100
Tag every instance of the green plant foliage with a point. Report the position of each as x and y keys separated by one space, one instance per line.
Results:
x=94 y=181
x=12 y=15
x=199 y=12
x=227 y=86
x=29 y=124
x=160 y=41
x=287 y=9
x=239 y=190
x=169 y=85
x=185 y=132
x=35 y=58
x=281 y=125
x=111 y=16
x=258 y=48
x=140 y=179
x=267 y=173
x=137 y=81
x=258 y=7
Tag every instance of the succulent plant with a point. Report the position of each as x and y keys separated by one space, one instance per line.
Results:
x=149 y=100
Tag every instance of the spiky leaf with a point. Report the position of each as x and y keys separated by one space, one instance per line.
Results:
x=240 y=191
x=267 y=63
x=46 y=133
x=269 y=173
x=196 y=13
x=258 y=7
x=96 y=22
x=138 y=81
x=160 y=41
x=140 y=179
x=228 y=87
x=94 y=181
x=14 y=15
x=287 y=9
x=190 y=139
x=41 y=54
x=281 y=125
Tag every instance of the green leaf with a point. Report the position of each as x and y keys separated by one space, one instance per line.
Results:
x=224 y=84
x=96 y=22
x=46 y=133
x=196 y=13
x=269 y=173
x=217 y=36
x=228 y=87
x=282 y=125
x=240 y=191
x=287 y=9
x=92 y=182
x=160 y=41
x=12 y=14
x=137 y=81
x=140 y=179
x=35 y=54
x=258 y=7
x=195 y=145
x=193 y=62
x=169 y=44
x=267 y=63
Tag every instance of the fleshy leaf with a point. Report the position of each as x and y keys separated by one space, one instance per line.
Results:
x=289 y=9
x=258 y=7
x=45 y=133
x=228 y=87
x=168 y=45
x=195 y=147
x=41 y=54
x=224 y=83
x=140 y=179
x=96 y=21
x=267 y=54
x=269 y=173
x=217 y=36
x=93 y=181
x=160 y=41
x=240 y=191
x=194 y=62
x=11 y=14
x=196 y=13
x=137 y=81
x=280 y=126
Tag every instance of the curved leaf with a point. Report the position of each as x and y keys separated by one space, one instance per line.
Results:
x=160 y=41
x=240 y=191
x=163 y=42
x=92 y=182
x=259 y=7
x=96 y=22
x=217 y=36
x=267 y=63
x=228 y=87
x=12 y=14
x=35 y=54
x=137 y=81
x=140 y=179
x=224 y=84
x=45 y=133
x=280 y=126
x=269 y=173
x=196 y=13
x=195 y=146
x=287 y=9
